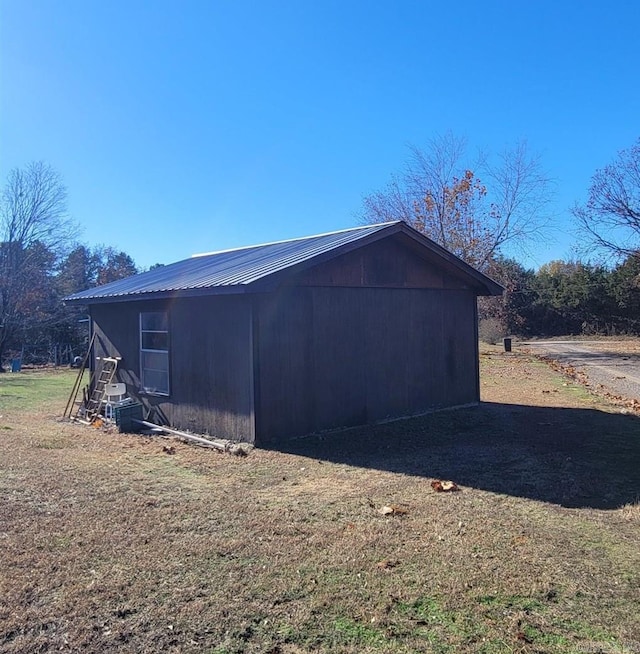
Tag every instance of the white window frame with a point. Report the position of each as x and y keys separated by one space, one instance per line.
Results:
x=148 y=389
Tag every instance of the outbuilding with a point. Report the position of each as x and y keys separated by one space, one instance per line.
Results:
x=273 y=341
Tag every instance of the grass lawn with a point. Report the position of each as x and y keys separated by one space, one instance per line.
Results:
x=109 y=544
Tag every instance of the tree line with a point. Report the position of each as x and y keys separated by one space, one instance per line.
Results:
x=474 y=208
x=563 y=298
x=41 y=262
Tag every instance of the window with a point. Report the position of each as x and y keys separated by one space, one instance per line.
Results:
x=154 y=352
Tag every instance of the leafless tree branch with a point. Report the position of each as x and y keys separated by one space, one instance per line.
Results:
x=473 y=215
x=609 y=220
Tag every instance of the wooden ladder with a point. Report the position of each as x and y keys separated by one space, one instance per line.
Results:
x=108 y=368
x=89 y=408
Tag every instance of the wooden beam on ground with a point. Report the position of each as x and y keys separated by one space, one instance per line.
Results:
x=223 y=446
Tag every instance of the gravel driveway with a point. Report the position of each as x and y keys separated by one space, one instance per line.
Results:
x=608 y=364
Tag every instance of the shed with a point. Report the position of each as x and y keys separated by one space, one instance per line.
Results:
x=273 y=341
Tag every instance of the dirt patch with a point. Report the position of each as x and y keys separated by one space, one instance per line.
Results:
x=113 y=545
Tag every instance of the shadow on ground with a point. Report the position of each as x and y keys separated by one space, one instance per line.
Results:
x=571 y=457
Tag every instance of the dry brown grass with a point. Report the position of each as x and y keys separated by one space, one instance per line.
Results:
x=631 y=512
x=109 y=544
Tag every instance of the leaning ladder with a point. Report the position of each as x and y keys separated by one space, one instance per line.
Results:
x=107 y=372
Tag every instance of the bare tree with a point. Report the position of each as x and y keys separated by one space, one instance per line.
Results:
x=440 y=194
x=33 y=218
x=610 y=219
x=521 y=192
x=426 y=179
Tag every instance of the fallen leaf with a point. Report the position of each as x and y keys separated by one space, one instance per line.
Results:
x=444 y=486
x=394 y=509
x=238 y=450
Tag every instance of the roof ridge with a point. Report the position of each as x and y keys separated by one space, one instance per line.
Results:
x=293 y=240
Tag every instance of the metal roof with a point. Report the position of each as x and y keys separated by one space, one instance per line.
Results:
x=242 y=269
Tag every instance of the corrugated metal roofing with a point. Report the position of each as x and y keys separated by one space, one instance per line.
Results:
x=229 y=268
x=242 y=269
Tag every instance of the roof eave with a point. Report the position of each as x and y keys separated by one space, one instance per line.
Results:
x=160 y=295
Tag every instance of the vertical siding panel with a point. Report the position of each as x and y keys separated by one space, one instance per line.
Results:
x=286 y=401
x=212 y=369
x=421 y=386
x=386 y=332
x=339 y=337
x=437 y=329
x=426 y=372
x=460 y=364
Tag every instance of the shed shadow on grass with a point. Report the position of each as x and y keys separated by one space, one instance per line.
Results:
x=576 y=458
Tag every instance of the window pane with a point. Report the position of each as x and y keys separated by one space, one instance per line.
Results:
x=154 y=321
x=155 y=361
x=155 y=372
x=154 y=381
x=155 y=341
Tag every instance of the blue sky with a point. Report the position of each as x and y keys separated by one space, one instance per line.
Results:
x=182 y=127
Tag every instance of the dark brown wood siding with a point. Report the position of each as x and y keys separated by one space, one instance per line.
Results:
x=335 y=357
x=211 y=379
x=392 y=263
